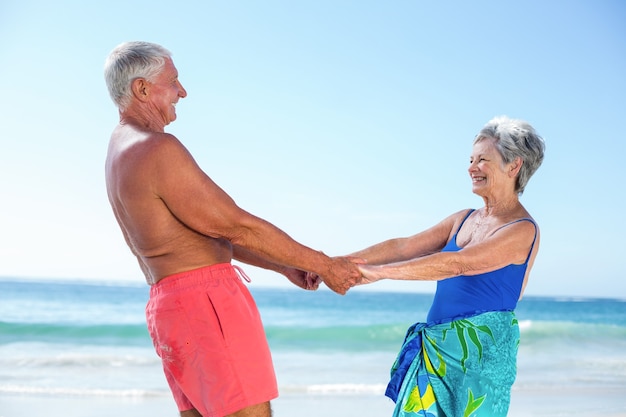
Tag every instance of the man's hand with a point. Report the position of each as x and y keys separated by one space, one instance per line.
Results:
x=343 y=274
x=302 y=279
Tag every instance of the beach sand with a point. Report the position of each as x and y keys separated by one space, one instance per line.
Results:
x=553 y=403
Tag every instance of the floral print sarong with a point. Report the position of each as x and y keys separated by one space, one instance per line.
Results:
x=460 y=368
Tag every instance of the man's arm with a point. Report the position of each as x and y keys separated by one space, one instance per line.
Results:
x=299 y=278
x=204 y=207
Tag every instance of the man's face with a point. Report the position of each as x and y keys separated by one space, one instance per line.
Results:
x=165 y=91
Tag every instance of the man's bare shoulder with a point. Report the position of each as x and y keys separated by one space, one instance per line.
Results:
x=129 y=144
x=130 y=138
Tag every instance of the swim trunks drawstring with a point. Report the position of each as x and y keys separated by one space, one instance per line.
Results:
x=242 y=274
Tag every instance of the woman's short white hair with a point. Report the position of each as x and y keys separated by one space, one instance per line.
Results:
x=513 y=139
x=129 y=61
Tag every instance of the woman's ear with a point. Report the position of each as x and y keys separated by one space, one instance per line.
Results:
x=515 y=166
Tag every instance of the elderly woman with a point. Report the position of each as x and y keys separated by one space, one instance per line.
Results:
x=462 y=361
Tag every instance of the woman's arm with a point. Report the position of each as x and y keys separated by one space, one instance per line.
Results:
x=429 y=241
x=508 y=245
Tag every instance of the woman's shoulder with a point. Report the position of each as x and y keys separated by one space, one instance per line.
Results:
x=456 y=220
x=522 y=216
x=520 y=225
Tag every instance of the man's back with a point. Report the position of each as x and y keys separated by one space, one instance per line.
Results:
x=163 y=244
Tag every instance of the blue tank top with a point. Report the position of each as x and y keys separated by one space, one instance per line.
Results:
x=465 y=295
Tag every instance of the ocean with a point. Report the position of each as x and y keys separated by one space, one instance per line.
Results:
x=89 y=340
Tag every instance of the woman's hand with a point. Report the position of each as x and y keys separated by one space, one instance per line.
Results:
x=370 y=273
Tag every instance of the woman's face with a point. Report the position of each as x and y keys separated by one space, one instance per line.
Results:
x=488 y=173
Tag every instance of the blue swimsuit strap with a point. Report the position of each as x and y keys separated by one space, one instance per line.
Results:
x=470 y=211
x=524 y=219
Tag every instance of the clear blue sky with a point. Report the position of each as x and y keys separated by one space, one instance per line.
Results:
x=342 y=122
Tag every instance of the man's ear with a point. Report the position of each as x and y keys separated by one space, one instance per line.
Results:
x=140 y=88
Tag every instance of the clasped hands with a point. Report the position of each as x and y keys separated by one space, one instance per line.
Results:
x=344 y=273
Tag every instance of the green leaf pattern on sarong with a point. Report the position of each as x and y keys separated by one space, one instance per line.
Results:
x=443 y=371
x=465 y=325
x=472 y=404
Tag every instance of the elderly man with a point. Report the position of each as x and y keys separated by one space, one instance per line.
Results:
x=185 y=231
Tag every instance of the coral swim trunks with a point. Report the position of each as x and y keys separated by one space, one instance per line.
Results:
x=207 y=330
